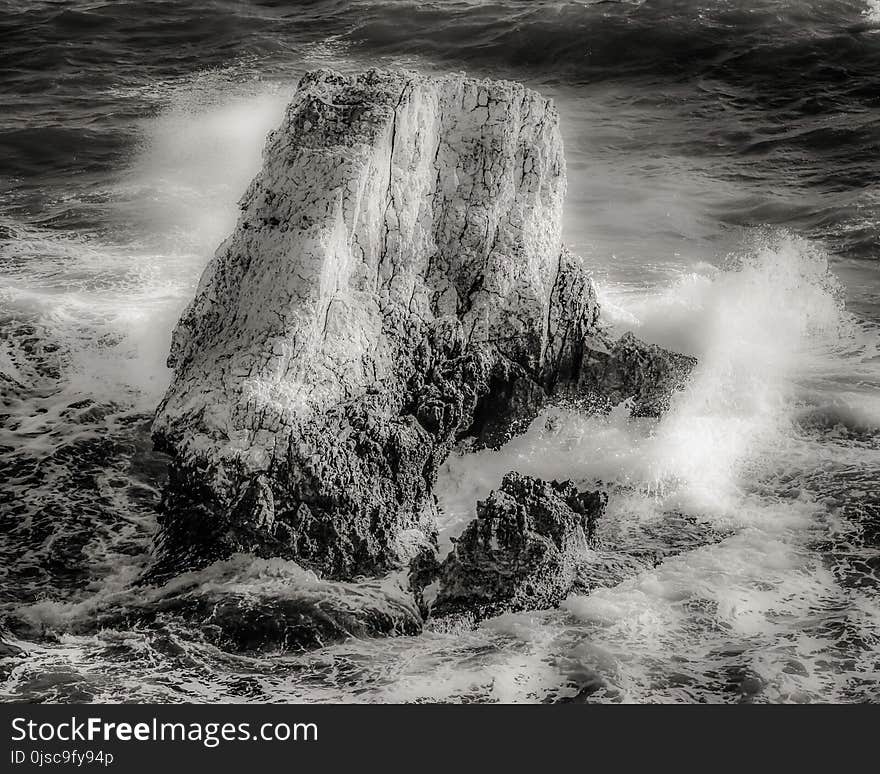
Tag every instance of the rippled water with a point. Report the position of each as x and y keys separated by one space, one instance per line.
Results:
x=723 y=160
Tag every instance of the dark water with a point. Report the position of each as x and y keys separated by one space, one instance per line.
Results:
x=723 y=174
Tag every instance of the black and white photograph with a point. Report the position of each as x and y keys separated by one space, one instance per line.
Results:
x=454 y=352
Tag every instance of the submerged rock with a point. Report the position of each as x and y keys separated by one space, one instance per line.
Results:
x=309 y=615
x=396 y=282
x=523 y=550
x=303 y=616
x=8 y=650
x=619 y=554
x=240 y=604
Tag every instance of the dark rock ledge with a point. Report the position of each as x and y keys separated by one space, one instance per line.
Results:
x=8 y=650
x=396 y=283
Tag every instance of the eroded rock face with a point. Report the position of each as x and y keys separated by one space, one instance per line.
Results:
x=396 y=282
x=523 y=550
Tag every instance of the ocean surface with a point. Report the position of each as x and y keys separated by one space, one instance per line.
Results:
x=723 y=166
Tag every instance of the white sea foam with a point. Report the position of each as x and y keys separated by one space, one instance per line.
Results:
x=749 y=327
x=750 y=613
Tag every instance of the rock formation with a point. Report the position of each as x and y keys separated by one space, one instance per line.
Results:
x=522 y=551
x=8 y=650
x=240 y=604
x=396 y=282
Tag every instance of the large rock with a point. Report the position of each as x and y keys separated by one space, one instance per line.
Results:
x=522 y=551
x=396 y=282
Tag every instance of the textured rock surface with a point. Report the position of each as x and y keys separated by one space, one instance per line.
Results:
x=523 y=549
x=396 y=282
